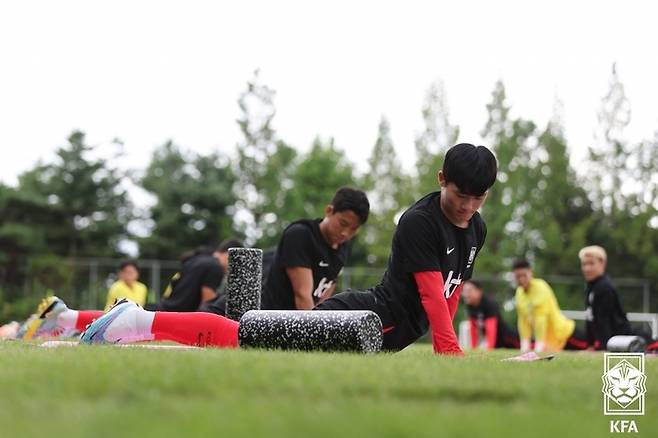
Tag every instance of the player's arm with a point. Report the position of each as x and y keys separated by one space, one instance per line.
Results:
x=210 y=281
x=474 y=332
x=491 y=331
x=523 y=324
x=430 y=288
x=301 y=280
x=207 y=294
x=112 y=295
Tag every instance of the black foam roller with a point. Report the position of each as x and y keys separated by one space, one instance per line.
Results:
x=245 y=267
x=330 y=330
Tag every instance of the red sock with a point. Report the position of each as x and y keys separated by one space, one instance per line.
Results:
x=86 y=317
x=195 y=328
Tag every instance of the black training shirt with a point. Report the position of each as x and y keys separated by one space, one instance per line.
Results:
x=302 y=246
x=184 y=291
x=425 y=240
x=604 y=313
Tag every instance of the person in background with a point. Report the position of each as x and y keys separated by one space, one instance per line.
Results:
x=539 y=315
x=485 y=319
x=198 y=282
x=127 y=286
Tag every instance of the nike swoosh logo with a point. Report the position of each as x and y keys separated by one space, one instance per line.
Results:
x=449 y=250
x=323 y=264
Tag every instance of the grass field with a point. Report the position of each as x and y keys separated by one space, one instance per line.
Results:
x=107 y=391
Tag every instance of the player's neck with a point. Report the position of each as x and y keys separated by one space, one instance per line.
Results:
x=325 y=235
x=451 y=217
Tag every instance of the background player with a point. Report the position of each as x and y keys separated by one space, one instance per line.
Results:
x=485 y=319
x=312 y=252
x=539 y=314
x=127 y=286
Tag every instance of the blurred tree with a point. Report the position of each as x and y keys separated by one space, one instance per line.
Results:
x=264 y=165
x=436 y=138
x=92 y=207
x=194 y=201
x=621 y=180
x=559 y=214
x=389 y=193
x=507 y=202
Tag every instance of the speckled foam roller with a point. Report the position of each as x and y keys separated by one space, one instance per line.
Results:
x=245 y=267
x=330 y=330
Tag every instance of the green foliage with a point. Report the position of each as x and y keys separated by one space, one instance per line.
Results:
x=89 y=208
x=389 y=192
x=437 y=137
x=194 y=201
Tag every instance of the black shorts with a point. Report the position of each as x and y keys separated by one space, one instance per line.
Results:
x=397 y=335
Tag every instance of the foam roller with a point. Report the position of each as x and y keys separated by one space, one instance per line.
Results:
x=330 y=330
x=245 y=267
x=626 y=343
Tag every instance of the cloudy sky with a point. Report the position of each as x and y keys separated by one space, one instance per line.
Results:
x=147 y=71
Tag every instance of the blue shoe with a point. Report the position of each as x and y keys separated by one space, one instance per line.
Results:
x=117 y=326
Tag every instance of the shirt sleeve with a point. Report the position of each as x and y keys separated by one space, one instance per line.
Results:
x=474 y=332
x=430 y=288
x=418 y=244
x=522 y=318
x=491 y=331
x=297 y=247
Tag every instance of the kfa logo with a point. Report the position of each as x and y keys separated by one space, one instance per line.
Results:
x=624 y=387
x=471 y=256
x=451 y=284
x=322 y=287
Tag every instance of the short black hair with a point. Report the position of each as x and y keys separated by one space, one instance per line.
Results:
x=347 y=198
x=475 y=283
x=520 y=264
x=231 y=242
x=126 y=263
x=471 y=168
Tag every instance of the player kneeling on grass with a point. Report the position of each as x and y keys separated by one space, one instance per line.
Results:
x=434 y=249
x=485 y=319
x=539 y=315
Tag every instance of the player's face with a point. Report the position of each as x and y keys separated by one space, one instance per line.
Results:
x=458 y=207
x=592 y=267
x=472 y=295
x=129 y=274
x=339 y=227
x=523 y=277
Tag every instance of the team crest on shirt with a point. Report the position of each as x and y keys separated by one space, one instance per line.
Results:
x=471 y=256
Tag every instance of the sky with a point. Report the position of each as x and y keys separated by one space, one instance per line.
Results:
x=149 y=71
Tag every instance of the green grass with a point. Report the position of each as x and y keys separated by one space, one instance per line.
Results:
x=107 y=391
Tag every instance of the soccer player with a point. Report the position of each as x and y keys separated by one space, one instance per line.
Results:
x=197 y=283
x=539 y=314
x=605 y=316
x=312 y=252
x=434 y=249
x=484 y=318
x=127 y=286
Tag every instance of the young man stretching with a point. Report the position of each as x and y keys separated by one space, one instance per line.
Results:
x=434 y=249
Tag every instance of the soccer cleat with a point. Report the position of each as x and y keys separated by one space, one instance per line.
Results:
x=44 y=322
x=119 y=325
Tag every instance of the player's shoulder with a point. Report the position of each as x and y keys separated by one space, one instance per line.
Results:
x=300 y=228
x=422 y=212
